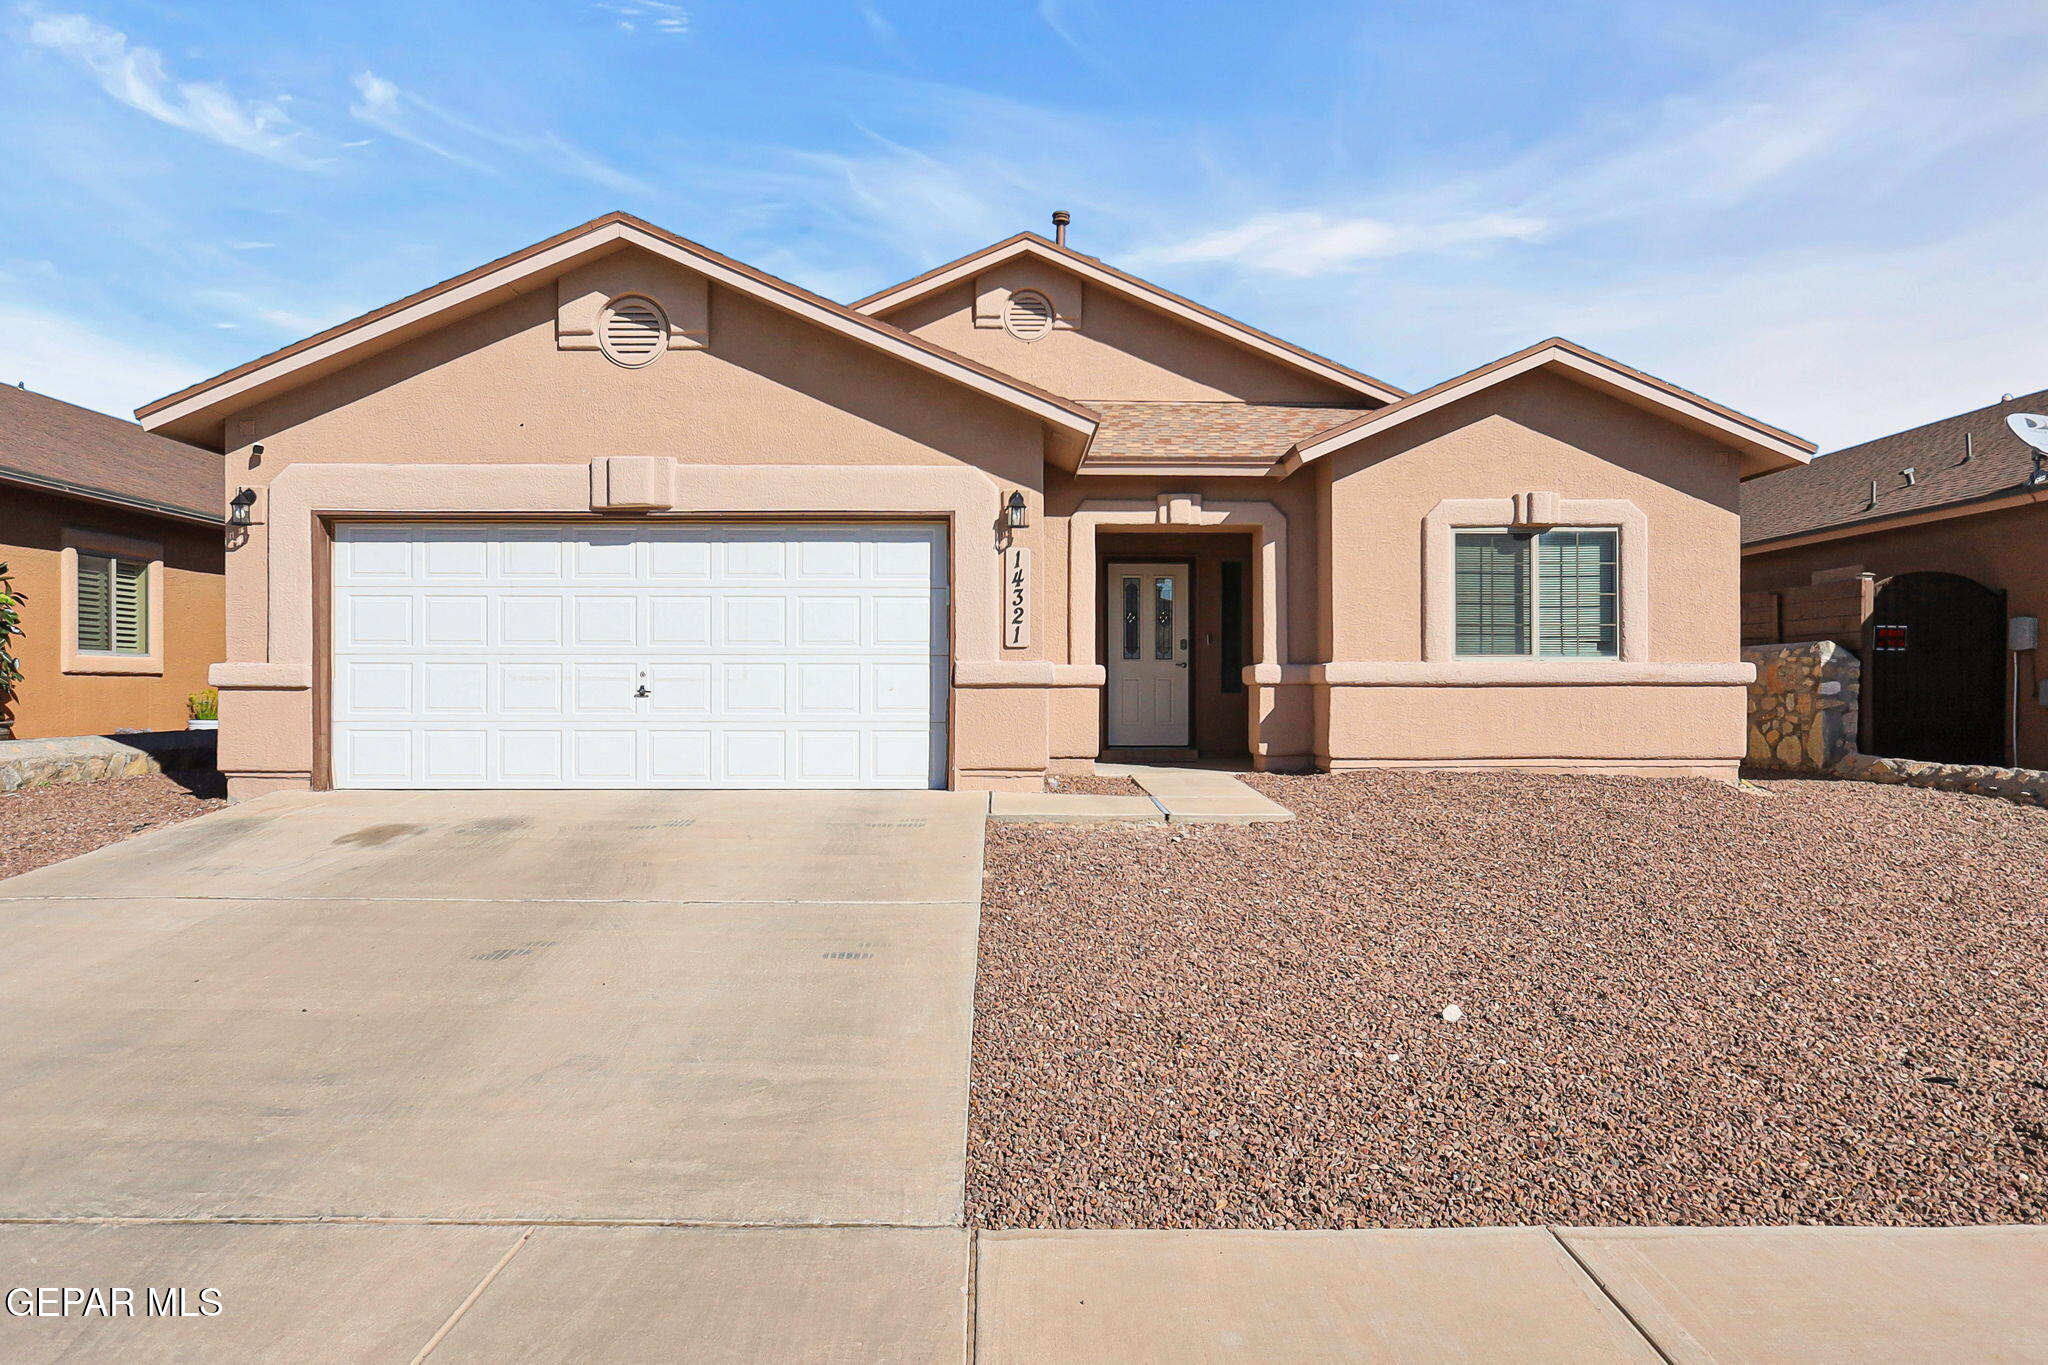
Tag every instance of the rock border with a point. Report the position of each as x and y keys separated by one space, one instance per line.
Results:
x=2024 y=786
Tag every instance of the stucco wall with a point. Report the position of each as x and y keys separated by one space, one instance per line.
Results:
x=492 y=410
x=1999 y=549
x=1120 y=351
x=1675 y=700
x=52 y=702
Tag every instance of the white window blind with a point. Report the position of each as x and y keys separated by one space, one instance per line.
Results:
x=113 y=605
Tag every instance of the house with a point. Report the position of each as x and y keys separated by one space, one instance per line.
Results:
x=616 y=510
x=112 y=538
x=1915 y=551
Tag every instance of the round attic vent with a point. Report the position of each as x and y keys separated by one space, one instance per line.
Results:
x=633 y=330
x=1028 y=316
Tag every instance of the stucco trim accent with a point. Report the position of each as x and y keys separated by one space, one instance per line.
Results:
x=1025 y=673
x=504 y=278
x=70 y=658
x=1269 y=625
x=260 y=677
x=1281 y=675
x=1528 y=673
x=1764 y=448
x=1439 y=573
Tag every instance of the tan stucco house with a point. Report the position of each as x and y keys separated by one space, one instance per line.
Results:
x=617 y=510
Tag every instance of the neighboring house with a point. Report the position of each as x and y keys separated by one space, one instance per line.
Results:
x=617 y=510
x=1914 y=550
x=113 y=538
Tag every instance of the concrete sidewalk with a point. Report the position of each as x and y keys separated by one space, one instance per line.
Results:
x=310 y=1292
x=1173 y=795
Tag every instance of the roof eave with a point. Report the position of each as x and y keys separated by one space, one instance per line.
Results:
x=108 y=497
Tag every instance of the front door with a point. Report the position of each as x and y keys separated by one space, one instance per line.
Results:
x=1147 y=612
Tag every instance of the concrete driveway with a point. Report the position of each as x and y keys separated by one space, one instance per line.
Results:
x=461 y=1010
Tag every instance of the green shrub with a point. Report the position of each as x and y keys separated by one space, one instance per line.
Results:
x=204 y=705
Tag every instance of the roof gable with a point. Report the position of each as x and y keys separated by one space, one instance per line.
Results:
x=1762 y=448
x=189 y=411
x=1029 y=246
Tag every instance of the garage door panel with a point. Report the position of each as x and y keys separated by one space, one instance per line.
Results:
x=601 y=622
x=530 y=689
x=679 y=621
x=518 y=655
x=454 y=689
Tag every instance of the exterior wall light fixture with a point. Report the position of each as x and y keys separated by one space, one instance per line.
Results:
x=239 y=505
x=1013 y=512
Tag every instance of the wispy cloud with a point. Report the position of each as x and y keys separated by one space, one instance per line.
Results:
x=657 y=16
x=384 y=107
x=1305 y=243
x=412 y=118
x=135 y=75
x=52 y=353
x=879 y=25
x=1058 y=17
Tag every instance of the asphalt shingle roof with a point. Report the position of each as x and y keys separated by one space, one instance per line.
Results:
x=51 y=441
x=1834 y=490
x=1164 y=431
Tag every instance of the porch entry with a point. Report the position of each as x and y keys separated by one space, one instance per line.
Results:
x=1150 y=684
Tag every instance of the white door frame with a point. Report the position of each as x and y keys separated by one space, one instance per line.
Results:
x=1169 y=704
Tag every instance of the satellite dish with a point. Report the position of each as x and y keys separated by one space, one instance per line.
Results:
x=2030 y=427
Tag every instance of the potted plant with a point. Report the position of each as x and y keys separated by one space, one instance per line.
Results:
x=10 y=665
x=204 y=708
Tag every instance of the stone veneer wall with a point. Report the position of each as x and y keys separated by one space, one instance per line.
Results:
x=1802 y=706
x=100 y=758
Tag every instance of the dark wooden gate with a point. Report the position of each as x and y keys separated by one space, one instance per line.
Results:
x=1935 y=670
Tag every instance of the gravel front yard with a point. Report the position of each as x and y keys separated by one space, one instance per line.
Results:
x=1682 y=1003
x=49 y=824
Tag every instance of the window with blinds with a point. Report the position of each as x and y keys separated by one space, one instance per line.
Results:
x=1554 y=594
x=1493 y=593
x=113 y=605
x=1578 y=594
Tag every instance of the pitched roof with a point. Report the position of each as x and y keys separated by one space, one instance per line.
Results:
x=1767 y=447
x=1252 y=435
x=500 y=279
x=48 y=443
x=1833 y=493
x=1165 y=300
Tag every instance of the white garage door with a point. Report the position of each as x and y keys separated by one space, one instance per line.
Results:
x=644 y=655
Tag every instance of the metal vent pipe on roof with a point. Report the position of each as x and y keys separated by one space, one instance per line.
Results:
x=1060 y=219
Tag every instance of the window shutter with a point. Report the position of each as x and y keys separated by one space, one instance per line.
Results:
x=131 y=607
x=1492 y=571
x=95 y=604
x=1578 y=594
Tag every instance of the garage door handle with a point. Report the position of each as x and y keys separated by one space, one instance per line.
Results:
x=643 y=692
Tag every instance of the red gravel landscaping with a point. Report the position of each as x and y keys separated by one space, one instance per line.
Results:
x=49 y=824
x=1682 y=1003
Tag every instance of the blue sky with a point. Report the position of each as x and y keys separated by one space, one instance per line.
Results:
x=1830 y=215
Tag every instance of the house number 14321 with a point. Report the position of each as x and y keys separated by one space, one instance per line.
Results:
x=1016 y=597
